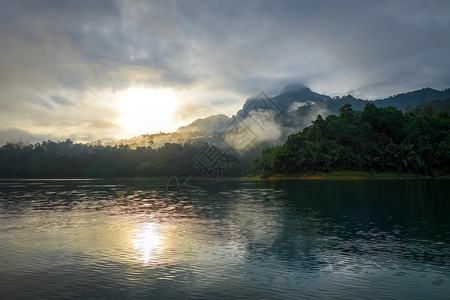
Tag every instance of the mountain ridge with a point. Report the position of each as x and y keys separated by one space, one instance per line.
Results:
x=304 y=96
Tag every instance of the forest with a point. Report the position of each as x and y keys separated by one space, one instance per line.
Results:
x=72 y=160
x=376 y=139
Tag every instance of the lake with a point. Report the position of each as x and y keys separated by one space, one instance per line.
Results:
x=234 y=239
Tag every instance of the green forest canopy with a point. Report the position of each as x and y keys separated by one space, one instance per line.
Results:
x=373 y=140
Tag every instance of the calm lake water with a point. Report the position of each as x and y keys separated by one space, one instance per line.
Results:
x=119 y=239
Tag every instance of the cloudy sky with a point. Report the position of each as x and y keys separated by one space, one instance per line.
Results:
x=89 y=70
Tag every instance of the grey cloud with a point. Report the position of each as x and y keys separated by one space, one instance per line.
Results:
x=61 y=100
x=188 y=41
x=21 y=137
x=373 y=48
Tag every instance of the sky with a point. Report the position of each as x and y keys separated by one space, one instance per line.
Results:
x=100 y=70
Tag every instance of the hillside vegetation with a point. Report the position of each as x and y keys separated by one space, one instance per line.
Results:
x=376 y=139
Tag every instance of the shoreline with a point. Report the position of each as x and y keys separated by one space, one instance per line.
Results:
x=337 y=175
x=346 y=175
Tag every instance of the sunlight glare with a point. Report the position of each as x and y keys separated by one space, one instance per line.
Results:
x=148 y=242
x=147 y=110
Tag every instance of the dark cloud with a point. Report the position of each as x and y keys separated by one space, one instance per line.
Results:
x=61 y=100
x=57 y=54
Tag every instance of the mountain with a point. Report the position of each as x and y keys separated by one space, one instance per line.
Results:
x=295 y=95
x=265 y=120
x=291 y=97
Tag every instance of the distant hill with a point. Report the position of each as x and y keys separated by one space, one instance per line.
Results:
x=215 y=123
x=414 y=98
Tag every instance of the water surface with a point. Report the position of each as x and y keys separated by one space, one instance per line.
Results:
x=118 y=239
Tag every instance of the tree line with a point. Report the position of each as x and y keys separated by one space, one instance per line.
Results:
x=375 y=139
x=73 y=160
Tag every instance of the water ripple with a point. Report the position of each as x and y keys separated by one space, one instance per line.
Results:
x=84 y=239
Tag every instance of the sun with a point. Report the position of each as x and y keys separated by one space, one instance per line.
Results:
x=147 y=110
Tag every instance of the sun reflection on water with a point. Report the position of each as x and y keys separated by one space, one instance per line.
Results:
x=148 y=242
